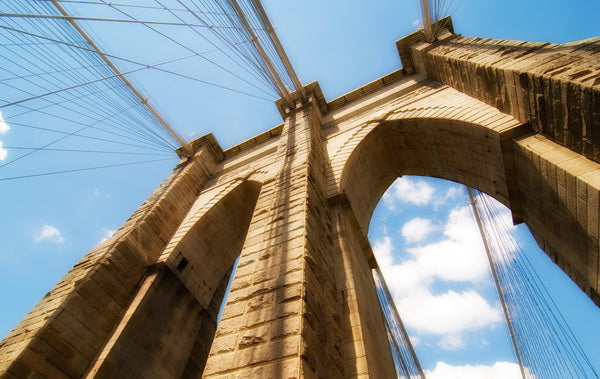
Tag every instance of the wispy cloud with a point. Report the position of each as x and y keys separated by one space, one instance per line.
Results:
x=415 y=341
x=100 y=194
x=408 y=190
x=49 y=233
x=417 y=24
x=107 y=233
x=452 y=193
x=452 y=342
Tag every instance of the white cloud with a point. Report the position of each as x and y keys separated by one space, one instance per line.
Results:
x=499 y=370
x=407 y=190
x=3 y=125
x=414 y=340
x=3 y=129
x=100 y=194
x=107 y=234
x=417 y=229
x=403 y=279
x=439 y=316
x=452 y=342
x=457 y=258
x=417 y=24
x=3 y=152
x=450 y=313
x=383 y=251
x=452 y=193
x=49 y=233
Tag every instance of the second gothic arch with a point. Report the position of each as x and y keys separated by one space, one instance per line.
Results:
x=545 y=185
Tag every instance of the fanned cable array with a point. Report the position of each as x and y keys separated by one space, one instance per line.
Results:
x=66 y=98
x=248 y=21
x=405 y=359
x=55 y=85
x=544 y=344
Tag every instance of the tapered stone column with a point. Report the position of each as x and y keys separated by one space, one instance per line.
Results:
x=281 y=318
x=66 y=333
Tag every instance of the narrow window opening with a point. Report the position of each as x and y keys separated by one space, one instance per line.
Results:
x=182 y=264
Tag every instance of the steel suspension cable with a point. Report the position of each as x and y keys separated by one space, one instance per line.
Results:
x=81 y=18
x=137 y=63
x=84 y=151
x=486 y=244
x=187 y=47
x=69 y=134
x=82 y=169
x=405 y=357
x=546 y=344
x=93 y=106
x=122 y=5
x=50 y=55
x=109 y=63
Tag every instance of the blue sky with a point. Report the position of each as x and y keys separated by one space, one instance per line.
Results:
x=47 y=223
x=430 y=251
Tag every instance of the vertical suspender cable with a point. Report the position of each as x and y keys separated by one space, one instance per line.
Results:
x=399 y=324
x=496 y=281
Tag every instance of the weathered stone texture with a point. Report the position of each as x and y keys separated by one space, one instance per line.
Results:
x=550 y=174
x=556 y=88
x=66 y=329
x=516 y=120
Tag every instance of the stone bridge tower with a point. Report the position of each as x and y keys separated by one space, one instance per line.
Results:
x=517 y=120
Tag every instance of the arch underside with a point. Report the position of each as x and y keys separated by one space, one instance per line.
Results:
x=554 y=190
x=168 y=328
x=440 y=148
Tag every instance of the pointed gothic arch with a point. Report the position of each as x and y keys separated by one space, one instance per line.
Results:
x=187 y=285
x=547 y=186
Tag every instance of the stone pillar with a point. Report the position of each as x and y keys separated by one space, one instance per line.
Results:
x=168 y=328
x=281 y=319
x=156 y=336
x=561 y=192
x=556 y=88
x=63 y=335
x=366 y=350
